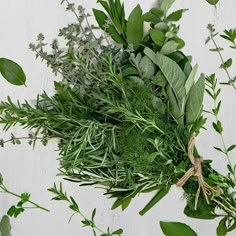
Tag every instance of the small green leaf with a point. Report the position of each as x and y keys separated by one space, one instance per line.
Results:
x=221 y=228
x=147 y=67
x=177 y=15
x=166 y=5
x=212 y=2
x=117 y=232
x=218 y=127
x=232 y=147
x=169 y=47
x=176 y=229
x=227 y=64
x=135 y=27
x=160 y=194
x=5 y=226
x=12 y=72
x=157 y=36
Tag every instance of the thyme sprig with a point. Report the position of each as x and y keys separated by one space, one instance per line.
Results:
x=61 y=195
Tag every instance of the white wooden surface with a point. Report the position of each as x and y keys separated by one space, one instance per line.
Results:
x=35 y=171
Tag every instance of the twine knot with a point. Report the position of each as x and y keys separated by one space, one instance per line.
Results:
x=196 y=170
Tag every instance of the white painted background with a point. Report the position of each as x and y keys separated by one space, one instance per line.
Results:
x=35 y=171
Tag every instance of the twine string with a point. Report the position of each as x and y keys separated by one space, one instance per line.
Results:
x=196 y=170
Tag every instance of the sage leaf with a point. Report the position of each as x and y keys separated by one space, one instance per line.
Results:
x=160 y=194
x=166 y=5
x=169 y=47
x=177 y=15
x=212 y=2
x=221 y=228
x=190 y=80
x=135 y=27
x=172 y=72
x=12 y=72
x=147 y=67
x=5 y=226
x=195 y=101
x=176 y=229
x=157 y=36
x=174 y=109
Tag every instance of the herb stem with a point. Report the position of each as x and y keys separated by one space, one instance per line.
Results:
x=223 y=61
x=5 y=190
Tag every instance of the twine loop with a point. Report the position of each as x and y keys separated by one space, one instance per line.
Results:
x=196 y=170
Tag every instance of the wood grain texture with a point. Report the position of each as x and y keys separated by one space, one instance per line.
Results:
x=35 y=171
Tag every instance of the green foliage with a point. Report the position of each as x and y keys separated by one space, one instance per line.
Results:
x=5 y=226
x=12 y=72
x=134 y=30
x=24 y=198
x=177 y=229
x=212 y=2
x=61 y=195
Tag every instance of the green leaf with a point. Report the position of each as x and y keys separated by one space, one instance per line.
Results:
x=160 y=194
x=177 y=15
x=195 y=101
x=174 y=108
x=232 y=147
x=5 y=226
x=12 y=72
x=221 y=228
x=102 y=19
x=176 y=229
x=135 y=27
x=172 y=72
x=169 y=47
x=157 y=36
x=218 y=127
x=204 y=213
x=147 y=68
x=212 y=2
x=227 y=64
x=166 y=5
x=117 y=232
x=190 y=81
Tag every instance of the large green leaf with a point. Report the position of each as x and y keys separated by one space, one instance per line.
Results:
x=176 y=229
x=174 y=109
x=12 y=72
x=169 y=47
x=5 y=226
x=166 y=5
x=195 y=101
x=221 y=228
x=172 y=72
x=147 y=67
x=177 y=15
x=190 y=80
x=135 y=27
x=160 y=194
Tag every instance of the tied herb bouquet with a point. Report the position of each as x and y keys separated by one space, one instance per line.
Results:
x=127 y=110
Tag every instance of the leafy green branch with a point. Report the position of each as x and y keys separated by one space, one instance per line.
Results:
x=214 y=93
x=225 y=64
x=20 y=207
x=87 y=222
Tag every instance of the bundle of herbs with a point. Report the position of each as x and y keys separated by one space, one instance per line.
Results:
x=127 y=109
